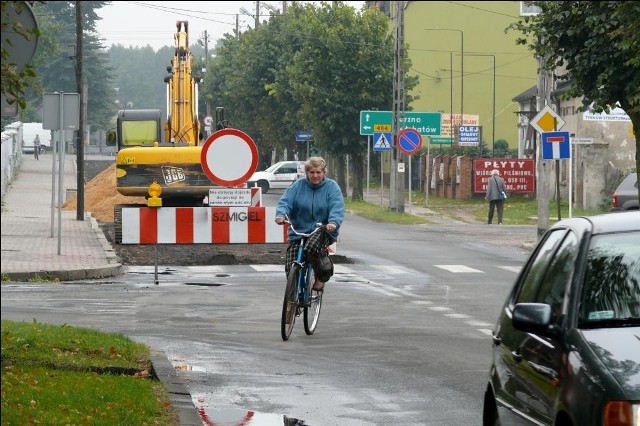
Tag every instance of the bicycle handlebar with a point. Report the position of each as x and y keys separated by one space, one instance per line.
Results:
x=318 y=227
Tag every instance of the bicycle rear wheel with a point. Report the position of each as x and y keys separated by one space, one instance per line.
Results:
x=289 y=305
x=312 y=312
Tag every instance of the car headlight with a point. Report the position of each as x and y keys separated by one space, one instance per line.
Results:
x=622 y=413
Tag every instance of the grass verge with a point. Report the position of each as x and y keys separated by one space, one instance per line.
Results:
x=62 y=375
x=518 y=210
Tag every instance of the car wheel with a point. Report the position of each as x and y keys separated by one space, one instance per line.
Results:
x=490 y=410
x=264 y=185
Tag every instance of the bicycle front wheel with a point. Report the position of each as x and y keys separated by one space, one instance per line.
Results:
x=312 y=312
x=289 y=305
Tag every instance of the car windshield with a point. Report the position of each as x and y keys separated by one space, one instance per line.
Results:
x=611 y=291
x=272 y=168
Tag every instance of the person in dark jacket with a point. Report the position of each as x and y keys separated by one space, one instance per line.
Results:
x=310 y=200
x=495 y=188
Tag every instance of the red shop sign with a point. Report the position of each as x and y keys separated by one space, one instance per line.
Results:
x=519 y=174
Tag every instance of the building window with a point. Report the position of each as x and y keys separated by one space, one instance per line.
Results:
x=528 y=10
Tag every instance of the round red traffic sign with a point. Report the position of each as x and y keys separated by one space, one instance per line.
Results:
x=409 y=141
x=229 y=157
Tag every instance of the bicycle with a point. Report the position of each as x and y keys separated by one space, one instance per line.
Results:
x=299 y=295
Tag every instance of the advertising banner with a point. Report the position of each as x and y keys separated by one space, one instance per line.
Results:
x=519 y=174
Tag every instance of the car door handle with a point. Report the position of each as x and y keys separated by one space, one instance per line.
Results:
x=516 y=356
x=546 y=372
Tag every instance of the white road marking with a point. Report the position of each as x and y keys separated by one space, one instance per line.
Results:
x=458 y=269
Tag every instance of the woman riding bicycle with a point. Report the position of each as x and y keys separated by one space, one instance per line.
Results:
x=310 y=200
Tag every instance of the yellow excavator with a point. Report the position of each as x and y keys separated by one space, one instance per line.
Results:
x=163 y=164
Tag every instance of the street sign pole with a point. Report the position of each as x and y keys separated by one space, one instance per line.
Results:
x=368 y=161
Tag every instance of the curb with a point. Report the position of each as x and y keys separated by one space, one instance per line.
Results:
x=104 y=271
x=163 y=370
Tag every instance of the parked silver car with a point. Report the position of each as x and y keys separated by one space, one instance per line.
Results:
x=625 y=196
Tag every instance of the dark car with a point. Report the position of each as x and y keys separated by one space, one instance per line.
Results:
x=625 y=196
x=566 y=346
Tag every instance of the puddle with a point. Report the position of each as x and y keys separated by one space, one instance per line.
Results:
x=186 y=367
x=238 y=417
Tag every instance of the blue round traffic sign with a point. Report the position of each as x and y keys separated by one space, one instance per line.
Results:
x=409 y=141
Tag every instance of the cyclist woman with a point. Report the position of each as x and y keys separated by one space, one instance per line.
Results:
x=310 y=200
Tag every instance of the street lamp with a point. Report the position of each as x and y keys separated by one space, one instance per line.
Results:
x=493 y=126
x=461 y=68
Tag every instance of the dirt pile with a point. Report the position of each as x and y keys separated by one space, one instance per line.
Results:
x=101 y=195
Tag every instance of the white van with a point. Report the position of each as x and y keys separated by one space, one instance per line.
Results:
x=29 y=132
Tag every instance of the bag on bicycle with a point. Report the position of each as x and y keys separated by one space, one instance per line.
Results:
x=324 y=267
x=316 y=251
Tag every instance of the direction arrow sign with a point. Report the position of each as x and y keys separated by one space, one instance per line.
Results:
x=547 y=120
x=409 y=141
x=426 y=123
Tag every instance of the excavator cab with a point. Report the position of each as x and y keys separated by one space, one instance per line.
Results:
x=141 y=127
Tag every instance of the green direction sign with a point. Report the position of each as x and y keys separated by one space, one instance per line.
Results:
x=426 y=123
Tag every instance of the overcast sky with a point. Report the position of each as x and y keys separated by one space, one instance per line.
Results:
x=134 y=23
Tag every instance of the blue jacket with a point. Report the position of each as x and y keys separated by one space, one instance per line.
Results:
x=306 y=204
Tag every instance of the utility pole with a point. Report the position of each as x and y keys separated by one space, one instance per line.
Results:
x=206 y=62
x=543 y=167
x=396 y=184
x=80 y=138
x=257 y=14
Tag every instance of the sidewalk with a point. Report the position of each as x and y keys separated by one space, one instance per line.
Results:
x=29 y=252
x=34 y=248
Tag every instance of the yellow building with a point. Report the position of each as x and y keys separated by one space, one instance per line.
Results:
x=467 y=63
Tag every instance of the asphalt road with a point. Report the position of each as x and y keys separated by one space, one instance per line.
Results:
x=403 y=338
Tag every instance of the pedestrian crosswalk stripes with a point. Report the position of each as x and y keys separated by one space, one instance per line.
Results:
x=339 y=269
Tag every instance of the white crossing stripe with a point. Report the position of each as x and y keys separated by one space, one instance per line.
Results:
x=515 y=269
x=268 y=268
x=458 y=269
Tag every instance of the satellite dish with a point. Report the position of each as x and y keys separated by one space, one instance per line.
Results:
x=20 y=49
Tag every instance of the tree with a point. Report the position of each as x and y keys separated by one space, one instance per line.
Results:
x=598 y=44
x=57 y=71
x=314 y=68
x=15 y=79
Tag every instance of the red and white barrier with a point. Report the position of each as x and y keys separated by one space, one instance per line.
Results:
x=201 y=225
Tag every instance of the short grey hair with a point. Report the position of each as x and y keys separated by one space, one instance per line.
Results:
x=314 y=162
x=495 y=172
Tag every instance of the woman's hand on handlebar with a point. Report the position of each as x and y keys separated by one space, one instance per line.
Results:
x=280 y=220
x=330 y=227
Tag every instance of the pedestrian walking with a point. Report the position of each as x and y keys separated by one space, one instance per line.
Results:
x=496 y=195
x=36 y=146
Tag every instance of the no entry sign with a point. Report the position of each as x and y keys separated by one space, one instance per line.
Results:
x=229 y=157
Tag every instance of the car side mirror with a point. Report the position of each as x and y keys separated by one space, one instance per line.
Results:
x=532 y=318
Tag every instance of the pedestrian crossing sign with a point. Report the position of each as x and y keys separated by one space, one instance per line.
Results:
x=382 y=141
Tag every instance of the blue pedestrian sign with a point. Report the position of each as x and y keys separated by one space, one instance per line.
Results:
x=409 y=141
x=382 y=142
x=556 y=146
